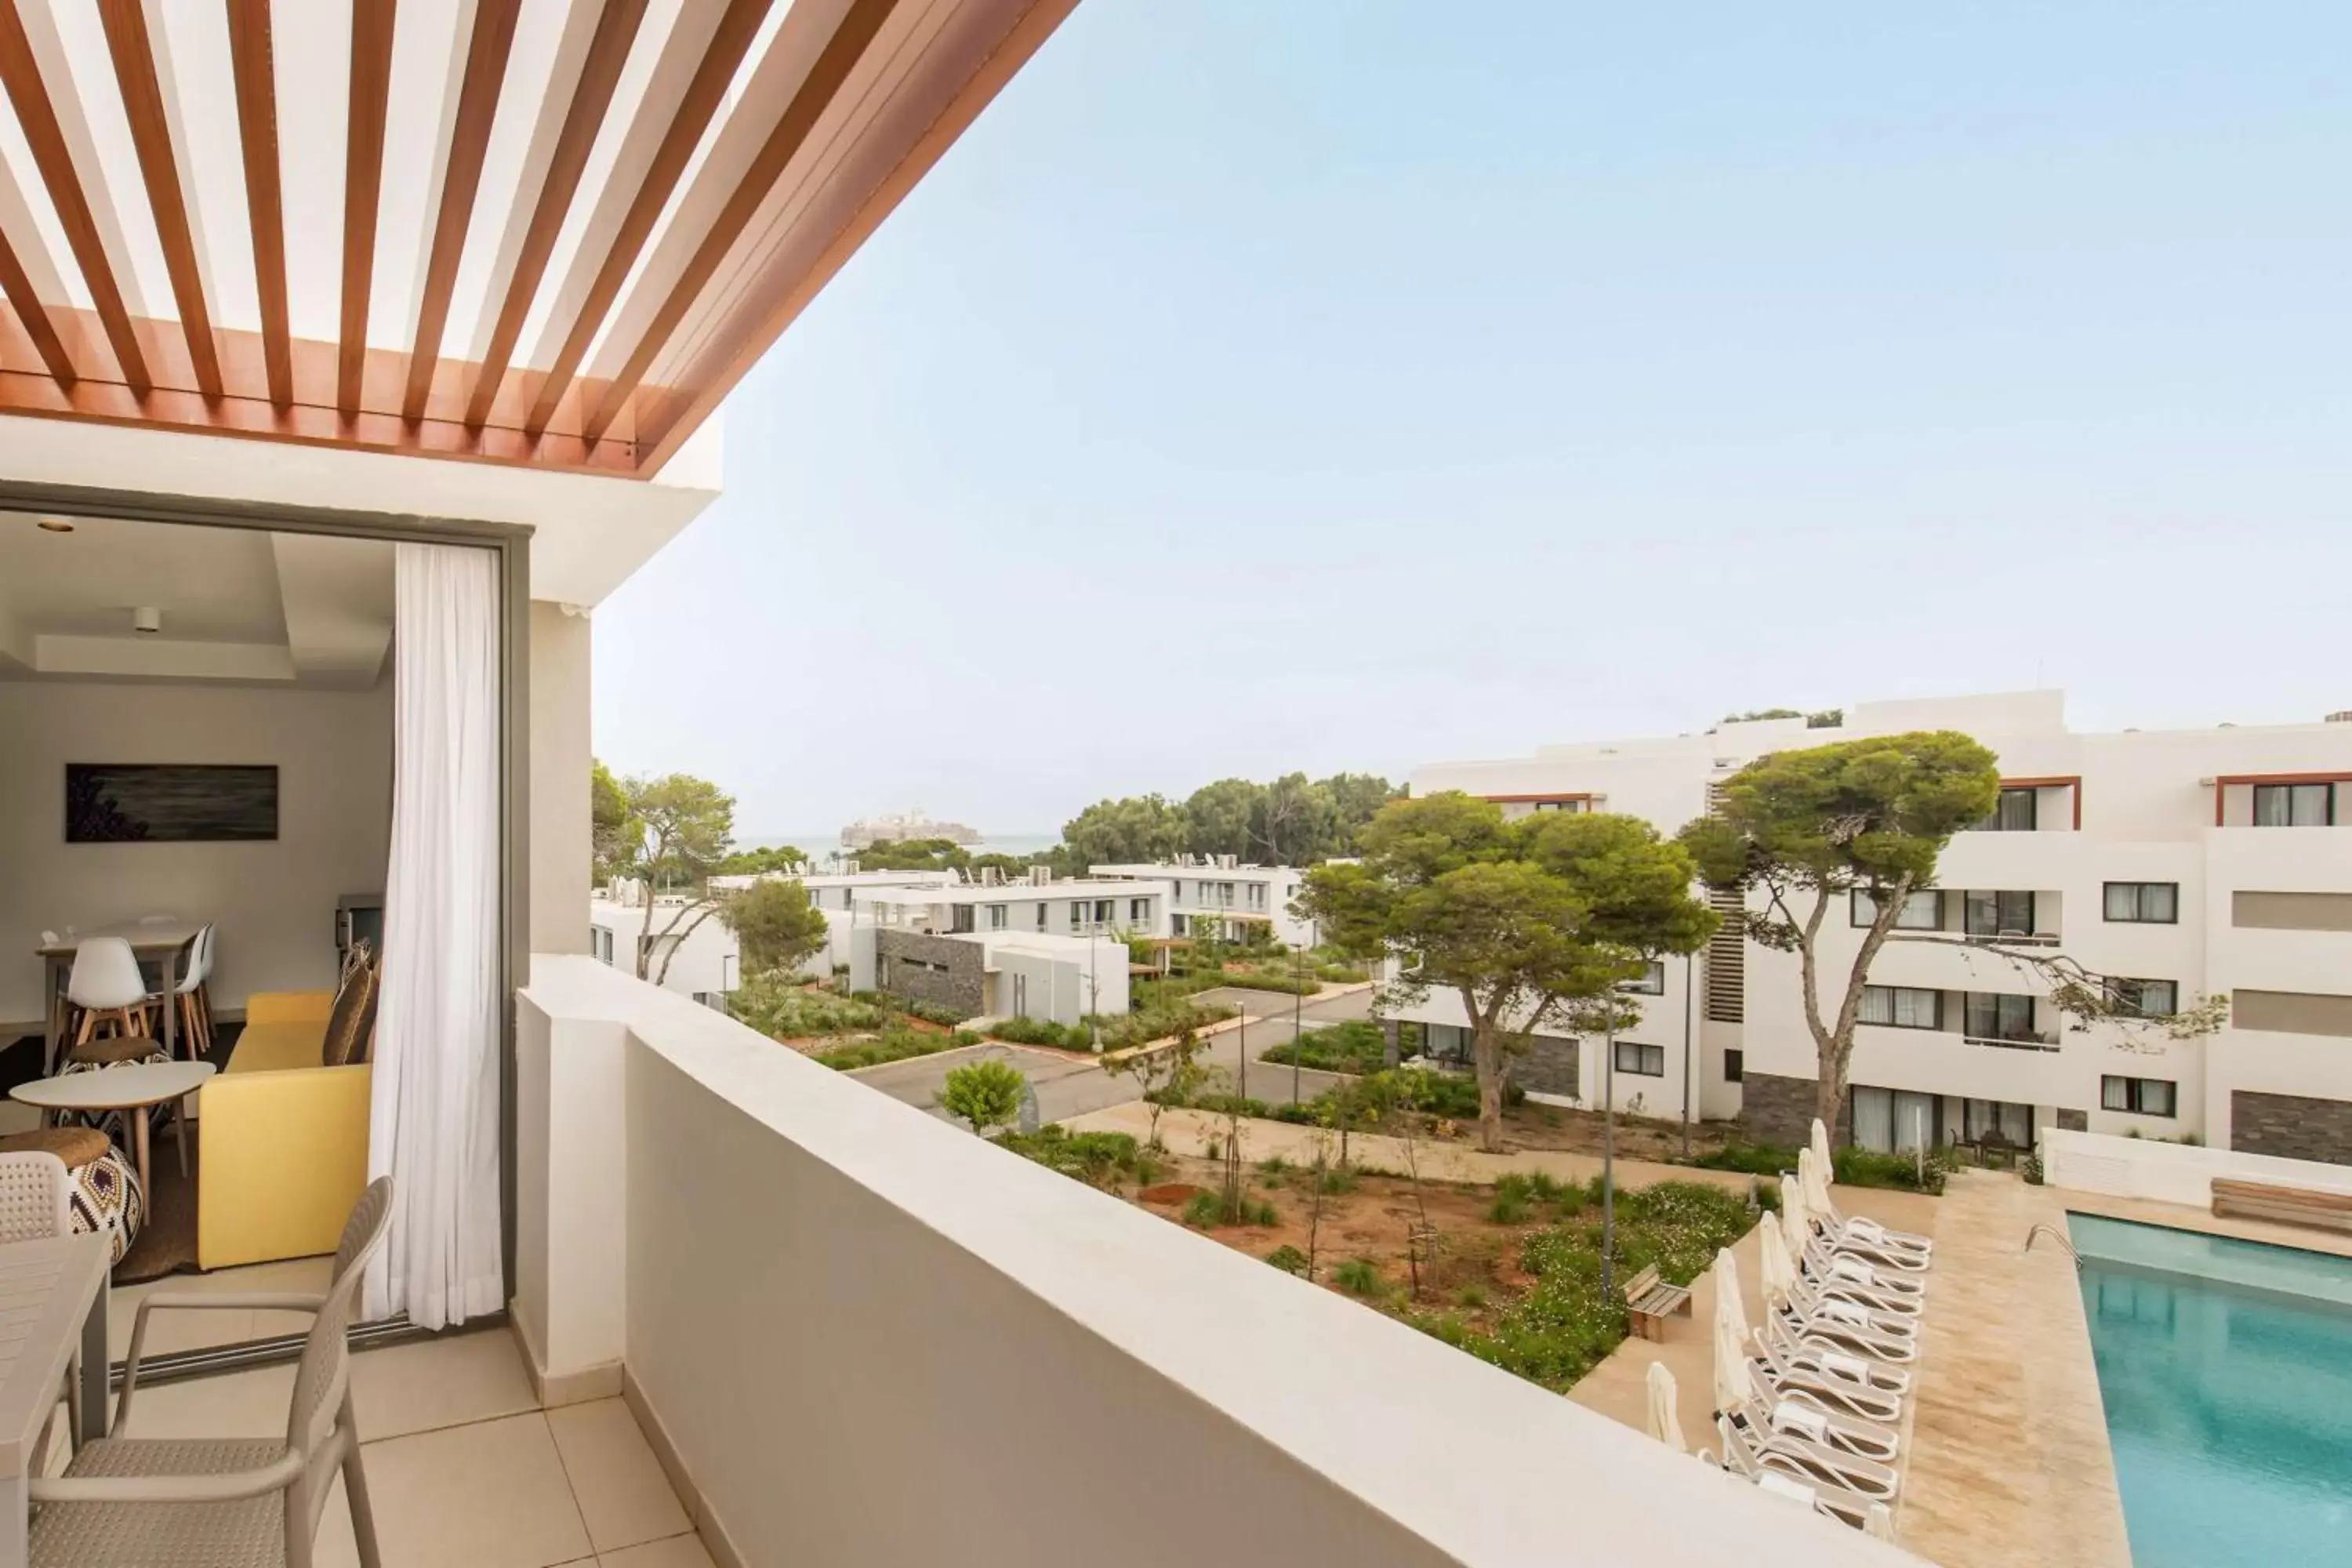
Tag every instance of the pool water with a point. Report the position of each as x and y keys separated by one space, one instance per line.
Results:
x=2226 y=1370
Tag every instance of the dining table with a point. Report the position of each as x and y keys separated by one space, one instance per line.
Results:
x=53 y=1301
x=158 y=939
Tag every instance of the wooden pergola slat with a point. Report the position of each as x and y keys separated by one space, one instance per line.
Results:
x=461 y=181
x=256 y=124
x=35 y=316
x=20 y=73
x=729 y=43
x=133 y=51
x=362 y=184
x=608 y=51
x=858 y=27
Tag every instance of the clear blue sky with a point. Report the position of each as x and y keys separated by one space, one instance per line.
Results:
x=1358 y=383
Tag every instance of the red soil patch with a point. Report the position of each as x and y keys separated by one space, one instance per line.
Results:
x=1172 y=1193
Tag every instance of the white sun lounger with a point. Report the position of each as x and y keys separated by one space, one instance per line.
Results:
x=1832 y=1485
x=1871 y=1389
x=1903 y=1240
x=1799 y=1413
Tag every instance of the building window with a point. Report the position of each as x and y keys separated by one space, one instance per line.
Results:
x=600 y=943
x=1176 y=892
x=1922 y=911
x=1139 y=910
x=1652 y=983
x=1999 y=914
x=1568 y=805
x=1998 y=1017
x=1735 y=1063
x=1103 y=907
x=2140 y=1095
x=1078 y=914
x=1041 y=914
x=996 y=913
x=1902 y=1007
x=2144 y=903
x=2147 y=998
x=2018 y=811
x=2294 y=805
x=1257 y=895
x=960 y=918
x=1649 y=1061
x=1180 y=924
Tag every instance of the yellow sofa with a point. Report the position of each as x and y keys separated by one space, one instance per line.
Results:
x=284 y=1139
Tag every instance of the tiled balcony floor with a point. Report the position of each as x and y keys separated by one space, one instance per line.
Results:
x=463 y=1465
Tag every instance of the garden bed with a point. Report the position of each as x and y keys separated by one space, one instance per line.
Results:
x=1508 y=1273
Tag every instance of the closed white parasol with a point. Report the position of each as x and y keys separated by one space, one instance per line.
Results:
x=1665 y=1422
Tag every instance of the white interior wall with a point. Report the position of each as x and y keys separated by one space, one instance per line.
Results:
x=274 y=904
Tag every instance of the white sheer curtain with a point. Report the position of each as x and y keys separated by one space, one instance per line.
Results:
x=434 y=1123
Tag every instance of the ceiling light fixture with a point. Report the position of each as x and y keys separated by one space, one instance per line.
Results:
x=147 y=618
x=54 y=525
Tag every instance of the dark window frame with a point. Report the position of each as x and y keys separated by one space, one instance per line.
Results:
x=1890 y=1023
x=2002 y=1029
x=2139 y=904
x=2328 y=819
x=2137 y=997
x=1735 y=1064
x=1860 y=921
x=1999 y=821
x=2133 y=1093
x=1967 y=912
x=1639 y=1050
x=1652 y=984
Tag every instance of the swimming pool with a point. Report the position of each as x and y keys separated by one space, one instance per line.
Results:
x=2226 y=1370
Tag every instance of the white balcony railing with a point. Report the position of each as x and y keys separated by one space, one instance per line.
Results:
x=858 y=1335
x=2038 y=1041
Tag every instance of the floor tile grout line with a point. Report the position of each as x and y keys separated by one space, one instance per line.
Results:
x=571 y=1489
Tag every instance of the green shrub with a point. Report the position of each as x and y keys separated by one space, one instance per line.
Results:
x=1272 y=1165
x=1547 y=1188
x=893 y=1044
x=1755 y=1159
x=784 y=1011
x=1120 y=1031
x=1272 y=980
x=1041 y=1032
x=934 y=1013
x=1356 y=1046
x=1512 y=1200
x=1340 y=974
x=1471 y=1297
x=1203 y=1211
x=1360 y=1277
x=1287 y=1258
x=1263 y=1215
x=1093 y=1158
x=1338 y=1180
x=1870 y=1168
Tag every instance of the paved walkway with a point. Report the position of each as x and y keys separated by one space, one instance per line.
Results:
x=2010 y=1463
x=1189 y=1133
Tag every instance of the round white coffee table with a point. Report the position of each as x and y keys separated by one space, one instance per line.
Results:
x=135 y=1088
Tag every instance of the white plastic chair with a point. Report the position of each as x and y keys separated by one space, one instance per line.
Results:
x=106 y=983
x=228 y=1502
x=35 y=1196
x=189 y=996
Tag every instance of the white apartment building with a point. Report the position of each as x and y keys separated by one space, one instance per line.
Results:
x=2193 y=861
x=1218 y=896
x=704 y=959
x=1039 y=949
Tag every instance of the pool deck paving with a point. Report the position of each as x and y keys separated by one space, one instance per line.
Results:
x=2180 y=1216
x=2010 y=1463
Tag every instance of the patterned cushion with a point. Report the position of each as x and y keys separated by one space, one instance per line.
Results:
x=352 y=1022
x=76 y=1146
x=118 y=1049
x=106 y=1193
x=107 y=1197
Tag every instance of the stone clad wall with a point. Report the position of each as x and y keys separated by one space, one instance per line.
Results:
x=2291 y=1126
x=1776 y=1110
x=1549 y=1068
x=960 y=985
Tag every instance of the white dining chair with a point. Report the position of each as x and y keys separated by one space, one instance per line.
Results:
x=107 y=986
x=188 y=995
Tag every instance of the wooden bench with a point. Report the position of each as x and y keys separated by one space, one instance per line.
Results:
x=1650 y=1301
x=2282 y=1205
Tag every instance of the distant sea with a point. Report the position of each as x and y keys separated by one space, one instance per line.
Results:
x=818 y=847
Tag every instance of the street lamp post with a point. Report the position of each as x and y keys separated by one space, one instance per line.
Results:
x=1609 y=1162
x=1297 y=1012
